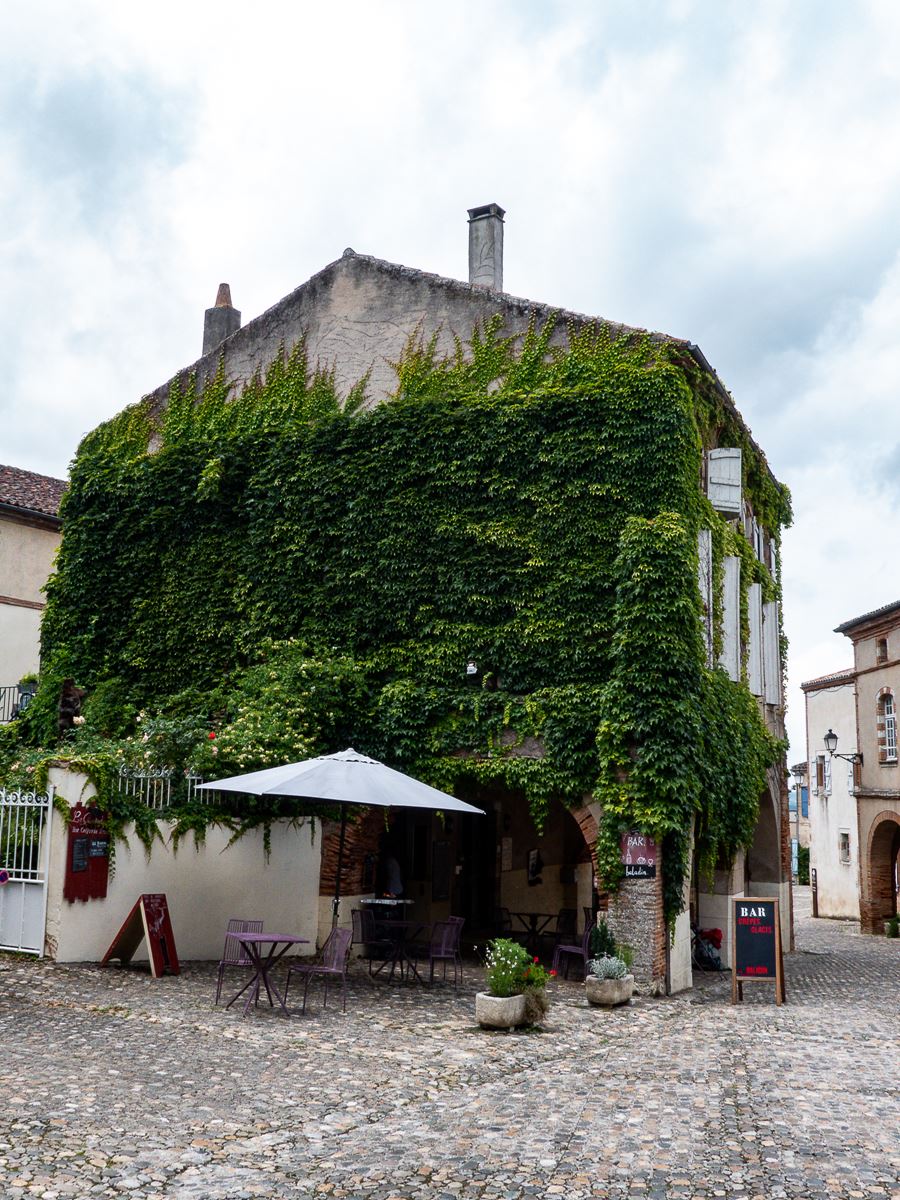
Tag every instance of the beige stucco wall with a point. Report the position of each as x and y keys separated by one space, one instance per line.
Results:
x=357 y=314
x=20 y=642
x=26 y=560
x=204 y=886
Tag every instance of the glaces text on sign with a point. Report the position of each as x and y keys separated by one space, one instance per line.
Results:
x=638 y=856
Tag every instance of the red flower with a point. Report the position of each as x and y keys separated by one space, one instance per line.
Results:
x=536 y=959
x=212 y=734
x=552 y=974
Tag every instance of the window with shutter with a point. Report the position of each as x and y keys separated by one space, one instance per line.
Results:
x=820 y=772
x=827 y=783
x=723 y=480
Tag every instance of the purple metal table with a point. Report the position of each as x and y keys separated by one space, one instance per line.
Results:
x=254 y=943
x=397 y=932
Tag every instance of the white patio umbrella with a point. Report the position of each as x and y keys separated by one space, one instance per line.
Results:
x=343 y=778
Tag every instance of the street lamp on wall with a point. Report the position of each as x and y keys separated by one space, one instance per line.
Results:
x=831 y=741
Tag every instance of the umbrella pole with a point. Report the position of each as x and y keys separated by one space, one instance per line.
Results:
x=336 y=902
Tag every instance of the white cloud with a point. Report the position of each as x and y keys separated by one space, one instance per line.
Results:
x=721 y=174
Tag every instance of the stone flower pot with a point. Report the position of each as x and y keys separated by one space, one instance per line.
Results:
x=607 y=993
x=500 y=1012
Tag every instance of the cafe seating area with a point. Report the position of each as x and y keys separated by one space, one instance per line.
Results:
x=394 y=947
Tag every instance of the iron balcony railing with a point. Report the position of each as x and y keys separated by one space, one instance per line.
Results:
x=14 y=699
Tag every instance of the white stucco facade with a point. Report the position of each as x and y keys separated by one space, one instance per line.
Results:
x=834 y=841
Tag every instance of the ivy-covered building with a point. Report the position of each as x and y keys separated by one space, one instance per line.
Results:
x=525 y=554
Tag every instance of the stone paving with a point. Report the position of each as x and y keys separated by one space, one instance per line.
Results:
x=115 y=1084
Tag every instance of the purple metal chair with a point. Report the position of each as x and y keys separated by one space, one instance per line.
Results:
x=373 y=947
x=580 y=952
x=443 y=947
x=234 y=954
x=335 y=954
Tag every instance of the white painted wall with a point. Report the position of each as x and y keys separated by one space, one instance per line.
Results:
x=838 y=882
x=20 y=642
x=204 y=886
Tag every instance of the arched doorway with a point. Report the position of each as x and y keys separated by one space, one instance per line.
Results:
x=764 y=856
x=878 y=902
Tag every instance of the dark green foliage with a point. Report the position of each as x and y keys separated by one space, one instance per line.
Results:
x=603 y=944
x=294 y=576
x=803 y=865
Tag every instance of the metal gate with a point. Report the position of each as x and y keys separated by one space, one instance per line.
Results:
x=25 y=820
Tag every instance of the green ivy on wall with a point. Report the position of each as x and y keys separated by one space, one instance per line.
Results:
x=304 y=574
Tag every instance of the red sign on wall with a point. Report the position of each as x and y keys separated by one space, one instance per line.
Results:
x=638 y=855
x=87 y=856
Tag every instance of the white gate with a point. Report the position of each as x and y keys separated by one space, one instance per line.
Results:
x=25 y=820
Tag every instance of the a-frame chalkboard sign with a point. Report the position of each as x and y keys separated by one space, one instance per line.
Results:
x=756 y=946
x=148 y=919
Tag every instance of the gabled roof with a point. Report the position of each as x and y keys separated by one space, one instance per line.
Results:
x=30 y=494
x=887 y=610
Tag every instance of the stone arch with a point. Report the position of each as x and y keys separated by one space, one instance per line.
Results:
x=878 y=898
x=764 y=855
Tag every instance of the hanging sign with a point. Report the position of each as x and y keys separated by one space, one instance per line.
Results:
x=638 y=855
x=87 y=856
x=149 y=919
x=756 y=946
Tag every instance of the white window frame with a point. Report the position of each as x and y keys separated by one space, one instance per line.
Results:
x=890 y=727
x=844 y=842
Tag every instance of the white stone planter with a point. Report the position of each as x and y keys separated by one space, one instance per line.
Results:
x=607 y=993
x=499 y=1012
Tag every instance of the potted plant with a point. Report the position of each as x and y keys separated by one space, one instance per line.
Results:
x=607 y=981
x=515 y=987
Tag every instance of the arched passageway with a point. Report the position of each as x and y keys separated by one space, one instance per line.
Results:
x=878 y=902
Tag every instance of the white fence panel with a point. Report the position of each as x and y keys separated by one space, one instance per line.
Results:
x=25 y=819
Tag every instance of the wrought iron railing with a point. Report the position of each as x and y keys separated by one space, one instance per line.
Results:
x=13 y=700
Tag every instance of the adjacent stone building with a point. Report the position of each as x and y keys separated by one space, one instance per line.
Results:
x=876 y=674
x=834 y=832
x=29 y=538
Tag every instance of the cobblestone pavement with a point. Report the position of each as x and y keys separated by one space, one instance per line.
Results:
x=116 y=1084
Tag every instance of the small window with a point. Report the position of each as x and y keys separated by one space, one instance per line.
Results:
x=820 y=773
x=881 y=650
x=887 y=728
x=844 y=845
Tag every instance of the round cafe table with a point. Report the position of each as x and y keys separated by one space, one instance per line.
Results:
x=277 y=945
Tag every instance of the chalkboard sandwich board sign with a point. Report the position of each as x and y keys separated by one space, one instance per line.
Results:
x=756 y=947
x=149 y=918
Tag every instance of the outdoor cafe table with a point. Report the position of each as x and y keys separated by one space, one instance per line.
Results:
x=254 y=943
x=534 y=924
x=397 y=933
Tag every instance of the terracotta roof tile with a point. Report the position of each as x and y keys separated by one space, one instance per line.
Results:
x=34 y=493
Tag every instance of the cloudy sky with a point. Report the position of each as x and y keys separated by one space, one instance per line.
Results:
x=721 y=171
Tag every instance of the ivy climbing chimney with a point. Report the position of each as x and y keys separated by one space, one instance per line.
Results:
x=220 y=321
x=486 y=246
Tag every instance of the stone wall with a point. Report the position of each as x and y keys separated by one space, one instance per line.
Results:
x=635 y=917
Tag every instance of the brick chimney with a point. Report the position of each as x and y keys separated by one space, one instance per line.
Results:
x=221 y=321
x=486 y=246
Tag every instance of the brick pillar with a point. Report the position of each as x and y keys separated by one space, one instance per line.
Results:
x=635 y=917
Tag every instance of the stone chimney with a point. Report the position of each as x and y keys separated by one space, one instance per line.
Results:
x=221 y=321
x=486 y=246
